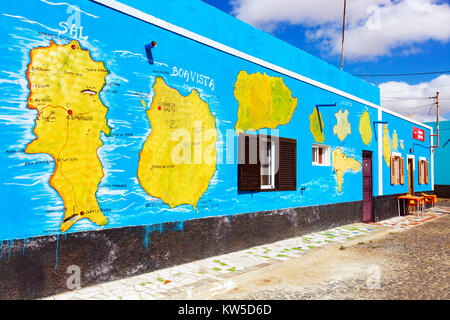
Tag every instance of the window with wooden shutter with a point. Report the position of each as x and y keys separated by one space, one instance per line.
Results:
x=287 y=171
x=402 y=170
x=393 y=171
x=420 y=172
x=266 y=163
x=397 y=170
x=423 y=172
x=249 y=168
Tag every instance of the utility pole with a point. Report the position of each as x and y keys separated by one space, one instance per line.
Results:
x=343 y=33
x=437 y=118
x=437 y=122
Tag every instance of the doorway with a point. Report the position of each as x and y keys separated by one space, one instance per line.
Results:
x=411 y=176
x=367 y=187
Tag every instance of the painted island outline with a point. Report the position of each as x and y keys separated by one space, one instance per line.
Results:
x=176 y=183
x=64 y=83
x=264 y=102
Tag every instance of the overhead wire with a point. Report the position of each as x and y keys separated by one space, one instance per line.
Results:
x=402 y=74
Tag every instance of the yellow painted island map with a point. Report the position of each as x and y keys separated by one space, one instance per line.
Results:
x=178 y=159
x=264 y=102
x=342 y=127
x=64 y=83
x=342 y=163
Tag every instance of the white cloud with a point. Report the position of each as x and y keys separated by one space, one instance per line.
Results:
x=396 y=96
x=375 y=27
x=311 y=13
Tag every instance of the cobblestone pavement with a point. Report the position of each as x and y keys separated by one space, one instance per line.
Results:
x=213 y=276
x=405 y=222
x=412 y=264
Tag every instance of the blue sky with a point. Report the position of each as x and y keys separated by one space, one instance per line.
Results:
x=382 y=37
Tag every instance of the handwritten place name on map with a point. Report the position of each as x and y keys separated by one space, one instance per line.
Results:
x=55 y=210
x=15 y=151
x=161 y=72
x=80 y=118
x=32 y=163
x=53 y=36
x=113 y=185
x=73 y=30
x=193 y=76
x=126 y=134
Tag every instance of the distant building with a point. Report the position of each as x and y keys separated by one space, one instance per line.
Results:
x=442 y=160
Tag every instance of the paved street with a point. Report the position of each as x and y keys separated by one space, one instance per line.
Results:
x=408 y=254
x=411 y=264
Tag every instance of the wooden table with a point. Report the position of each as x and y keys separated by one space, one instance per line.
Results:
x=407 y=198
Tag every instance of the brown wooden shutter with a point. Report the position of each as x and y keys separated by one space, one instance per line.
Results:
x=420 y=172
x=287 y=170
x=423 y=172
x=393 y=170
x=320 y=151
x=249 y=167
x=402 y=170
x=426 y=172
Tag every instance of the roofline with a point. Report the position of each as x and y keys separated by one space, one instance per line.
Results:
x=118 y=6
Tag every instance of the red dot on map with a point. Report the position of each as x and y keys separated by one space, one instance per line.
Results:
x=70 y=112
x=74 y=46
x=159 y=108
x=82 y=213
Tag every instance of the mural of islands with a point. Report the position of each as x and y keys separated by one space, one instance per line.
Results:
x=100 y=129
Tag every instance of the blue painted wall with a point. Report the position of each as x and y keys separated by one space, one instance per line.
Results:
x=442 y=154
x=30 y=207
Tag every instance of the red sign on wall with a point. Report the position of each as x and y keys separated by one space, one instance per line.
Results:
x=418 y=134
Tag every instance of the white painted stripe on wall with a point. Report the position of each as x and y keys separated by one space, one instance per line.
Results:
x=380 y=153
x=219 y=46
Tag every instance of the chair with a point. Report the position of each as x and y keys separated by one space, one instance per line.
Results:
x=430 y=199
x=416 y=203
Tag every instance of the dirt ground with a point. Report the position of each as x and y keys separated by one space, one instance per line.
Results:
x=409 y=264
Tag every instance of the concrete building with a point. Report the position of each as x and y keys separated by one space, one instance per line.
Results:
x=442 y=160
x=144 y=134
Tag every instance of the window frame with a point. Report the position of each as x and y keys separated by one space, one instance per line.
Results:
x=273 y=162
x=326 y=155
x=279 y=140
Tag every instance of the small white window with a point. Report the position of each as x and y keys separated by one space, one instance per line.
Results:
x=268 y=166
x=320 y=155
